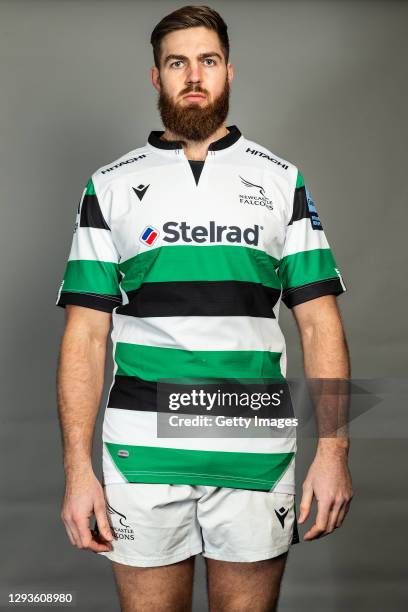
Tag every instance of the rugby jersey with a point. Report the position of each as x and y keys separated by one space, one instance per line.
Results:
x=193 y=260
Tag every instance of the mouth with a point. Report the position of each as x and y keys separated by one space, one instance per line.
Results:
x=194 y=96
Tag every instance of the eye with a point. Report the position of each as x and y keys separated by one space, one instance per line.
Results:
x=176 y=62
x=210 y=59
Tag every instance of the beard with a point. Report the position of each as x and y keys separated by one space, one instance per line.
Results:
x=192 y=121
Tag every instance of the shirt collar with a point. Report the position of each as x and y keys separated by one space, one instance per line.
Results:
x=226 y=141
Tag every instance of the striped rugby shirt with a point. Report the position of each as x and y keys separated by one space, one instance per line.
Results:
x=193 y=259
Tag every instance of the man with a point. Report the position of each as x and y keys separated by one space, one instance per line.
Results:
x=187 y=244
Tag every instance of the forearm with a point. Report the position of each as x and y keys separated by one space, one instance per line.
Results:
x=325 y=355
x=80 y=377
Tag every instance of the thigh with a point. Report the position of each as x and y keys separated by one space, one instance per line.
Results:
x=158 y=589
x=239 y=587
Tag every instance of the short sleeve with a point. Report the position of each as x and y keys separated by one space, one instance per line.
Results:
x=307 y=269
x=92 y=276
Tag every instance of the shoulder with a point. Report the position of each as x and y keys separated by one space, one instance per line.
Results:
x=263 y=157
x=114 y=171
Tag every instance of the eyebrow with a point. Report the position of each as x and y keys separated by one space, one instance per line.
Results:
x=201 y=56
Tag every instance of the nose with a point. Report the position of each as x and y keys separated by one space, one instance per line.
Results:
x=193 y=75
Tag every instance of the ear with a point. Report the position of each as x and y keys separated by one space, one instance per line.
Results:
x=155 y=78
x=230 y=72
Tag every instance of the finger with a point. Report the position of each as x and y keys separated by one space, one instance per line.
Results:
x=83 y=531
x=324 y=507
x=314 y=532
x=98 y=544
x=333 y=517
x=342 y=514
x=102 y=522
x=69 y=534
x=305 y=503
x=72 y=532
x=320 y=524
x=93 y=544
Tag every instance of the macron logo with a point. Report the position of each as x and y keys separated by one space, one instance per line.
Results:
x=281 y=514
x=140 y=190
x=149 y=235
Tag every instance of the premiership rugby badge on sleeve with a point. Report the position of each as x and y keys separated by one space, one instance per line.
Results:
x=313 y=214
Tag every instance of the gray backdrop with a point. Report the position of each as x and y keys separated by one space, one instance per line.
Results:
x=322 y=84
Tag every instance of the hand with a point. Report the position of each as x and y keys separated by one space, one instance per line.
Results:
x=83 y=498
x=329 y=480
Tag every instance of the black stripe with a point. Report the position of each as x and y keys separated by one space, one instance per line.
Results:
x=301 y=209
x=201 y=298
x=304 y=293
x=226 y=141
x=229 y=139
x=295 y=534
x=134 y=393
x=90 y=300
x=155 y=140
x=91 y=214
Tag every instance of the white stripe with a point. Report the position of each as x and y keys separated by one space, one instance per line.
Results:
x=111 y=474
x=196 y=333
x=302 y=237
x=93 y=243
x=139 y=428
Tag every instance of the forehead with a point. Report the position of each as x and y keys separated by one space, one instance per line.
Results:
x=190 y=42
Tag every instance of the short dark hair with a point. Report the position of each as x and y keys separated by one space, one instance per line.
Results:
x=190 y=17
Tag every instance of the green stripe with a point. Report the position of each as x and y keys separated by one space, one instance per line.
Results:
x=300 y=182
x=89 y=276
x=90 y=188
x=190 y=263
x=237 y=470
x=153 y=363
x=307 y=267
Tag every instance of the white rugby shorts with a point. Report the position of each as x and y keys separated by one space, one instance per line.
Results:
x=158 y=524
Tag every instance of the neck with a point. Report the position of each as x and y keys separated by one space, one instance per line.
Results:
x=193 y=149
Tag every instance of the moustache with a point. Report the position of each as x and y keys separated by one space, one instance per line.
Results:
x=187 y=91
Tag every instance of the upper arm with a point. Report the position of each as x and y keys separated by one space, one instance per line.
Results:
x=87 y=322
x=322 y=312
x=92 y=277
x=307 y=269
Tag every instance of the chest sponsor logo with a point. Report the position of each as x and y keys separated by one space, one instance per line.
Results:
x=149 y=235
x=140 y=190
x=257 y=197
x=182 y=232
